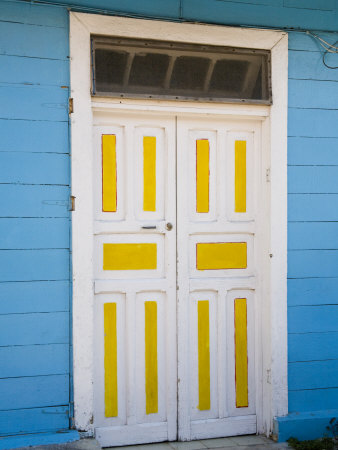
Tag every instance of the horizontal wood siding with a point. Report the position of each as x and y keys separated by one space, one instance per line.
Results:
x=34 y=219
x=313 y=227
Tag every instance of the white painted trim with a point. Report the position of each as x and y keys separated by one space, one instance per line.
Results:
x=81 y=26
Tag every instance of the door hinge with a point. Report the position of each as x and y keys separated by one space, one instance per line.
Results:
x=70 y=105
x=72 y=203
x=268 y=175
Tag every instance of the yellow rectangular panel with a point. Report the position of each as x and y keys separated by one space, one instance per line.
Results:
x=109 y=189
x=202 y=176
x=151 y=381
x=241 y=353
x=110 y=360
x=240 y=176
x=129 y=256
x=203 y=355
x=221 y=255
x=149 y=173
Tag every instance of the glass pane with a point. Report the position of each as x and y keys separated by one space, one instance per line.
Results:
x=109 y=67
x=148 y=69
x=189 y=73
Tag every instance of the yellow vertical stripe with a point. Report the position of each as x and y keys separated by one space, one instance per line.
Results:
x=109 y=190
x=202 y=176
x=149 y=173
x=241 y=353
x=240 y=176
x=151 y=381
x=110 y=360
x=203 y=355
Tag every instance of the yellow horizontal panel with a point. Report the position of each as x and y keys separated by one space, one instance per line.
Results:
x=109 y=173
x=241 y=353
x=221 y=255
x=129 y=256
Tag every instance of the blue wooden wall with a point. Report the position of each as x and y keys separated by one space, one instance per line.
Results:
x=35 y=219
x=34 y=193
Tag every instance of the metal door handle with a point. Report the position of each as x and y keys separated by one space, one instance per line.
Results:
x=149 y=227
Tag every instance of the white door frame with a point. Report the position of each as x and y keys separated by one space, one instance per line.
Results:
x=274 y=127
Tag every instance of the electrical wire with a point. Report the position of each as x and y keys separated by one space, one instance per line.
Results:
x=329 y=48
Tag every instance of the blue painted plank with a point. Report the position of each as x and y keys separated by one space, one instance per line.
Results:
x=33 y=40
x=33 y=420
x=312 y=151
x=313 y=319
x=312 y=122
x=34 y=136
x=161 y=8
x=33 y=103
x=312 y=263
x=34 y=233
x=328 y=5
x=312 y=235
x=34 y=392
x=34 y=201
x=38 y=439
x=313 y=400
x=312 y=207
x=34 y=296
x=312 y=346
x=312 y=291
x=304 y=41
x=33 y=360
x=29 y=265
x=306 y=65
x=20 y=69
x=34 y=328
x=221 y=12
x=313 y=375
x=323 y=94
x=313 y=179
x=33 y=14
x=34 y=168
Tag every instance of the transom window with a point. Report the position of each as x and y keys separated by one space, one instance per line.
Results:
x=134 y=68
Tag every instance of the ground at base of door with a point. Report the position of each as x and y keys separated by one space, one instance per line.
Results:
x=231 y=443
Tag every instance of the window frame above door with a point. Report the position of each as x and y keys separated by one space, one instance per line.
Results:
x=274 y=125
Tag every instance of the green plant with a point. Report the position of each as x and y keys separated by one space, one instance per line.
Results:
x=325 y=443
x=333 y=428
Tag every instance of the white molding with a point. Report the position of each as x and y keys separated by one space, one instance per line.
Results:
x=81 y=26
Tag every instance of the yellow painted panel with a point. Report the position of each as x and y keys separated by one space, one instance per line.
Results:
x=221 y=255
x=109 y=189
x=149 y=173
x=203 y=356
x=241 y=353
x=110 y=360
x=129 y=256
x=240 y=176
x=202 y=176
x=151 y=380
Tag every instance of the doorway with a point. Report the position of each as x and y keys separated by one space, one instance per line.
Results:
x=177 y=269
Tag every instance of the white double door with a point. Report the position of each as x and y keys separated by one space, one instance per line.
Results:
x=177 y=277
